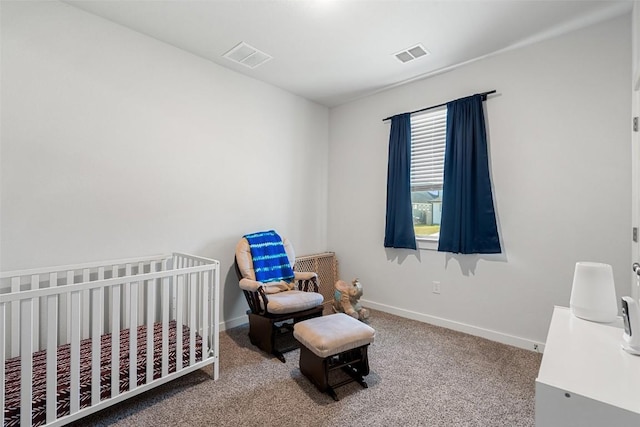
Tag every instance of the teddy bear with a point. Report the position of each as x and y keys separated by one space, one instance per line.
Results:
x=345 y=299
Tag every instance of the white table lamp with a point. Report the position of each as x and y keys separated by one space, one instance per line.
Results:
x=593 y=295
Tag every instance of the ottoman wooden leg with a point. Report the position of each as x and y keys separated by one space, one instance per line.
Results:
x=354 y=362
x=314 y=368
x=358 y=364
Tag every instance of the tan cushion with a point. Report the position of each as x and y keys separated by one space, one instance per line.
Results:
x=292 y=301
x=333 y=334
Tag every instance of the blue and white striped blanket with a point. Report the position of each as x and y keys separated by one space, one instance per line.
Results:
x=270 y=260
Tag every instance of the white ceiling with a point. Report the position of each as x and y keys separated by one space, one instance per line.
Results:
x=334 y=51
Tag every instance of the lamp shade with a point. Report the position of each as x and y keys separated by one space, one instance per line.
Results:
x=593 y=295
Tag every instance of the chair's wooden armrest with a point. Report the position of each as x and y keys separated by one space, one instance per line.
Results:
x=304 y=275
x=255 y=294
x=307 y=282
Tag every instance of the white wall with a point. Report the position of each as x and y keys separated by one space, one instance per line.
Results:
x=114 y=145
x=635 y=36
x=635 y=139
x=559 y=139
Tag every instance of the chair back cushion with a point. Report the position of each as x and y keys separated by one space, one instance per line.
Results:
x=245 y=260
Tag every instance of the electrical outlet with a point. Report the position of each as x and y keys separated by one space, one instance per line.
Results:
x=436 y=287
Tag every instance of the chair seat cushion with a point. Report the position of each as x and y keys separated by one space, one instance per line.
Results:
x=292 y=301
x=333 y=334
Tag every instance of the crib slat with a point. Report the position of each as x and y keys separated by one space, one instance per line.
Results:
x=141 y=292
x=185 y=299
x=35 y=332
x=3 y=349
x=186 y=289
x=103 y=307
x=96 y=312
x=179 y=310
x=205 y=314
x=133 y=337
x=115 y=342
x=26 y=361
x=65 y=309
x=53 y=282
x=74 y=394
x=166 y=290
x=52 y=350
x=198 y=307
x=126 y=312
x=174 y=287
x=86 y=304
x=215 y=339
x=109 y=308
x=15 y=319
x=193 y=286
x=151 y=308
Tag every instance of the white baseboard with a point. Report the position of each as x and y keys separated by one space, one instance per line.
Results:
x=457 y=326
x=232 y=323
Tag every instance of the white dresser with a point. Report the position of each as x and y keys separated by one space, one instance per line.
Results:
x=585 y=378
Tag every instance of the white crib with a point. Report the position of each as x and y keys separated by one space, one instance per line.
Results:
x=64 y=329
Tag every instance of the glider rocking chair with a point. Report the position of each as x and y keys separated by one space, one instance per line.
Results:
x=275 y=306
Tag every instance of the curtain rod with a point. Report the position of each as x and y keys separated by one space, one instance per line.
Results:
x=483 y=94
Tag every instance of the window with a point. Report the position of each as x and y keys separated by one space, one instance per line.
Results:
x=428 y=134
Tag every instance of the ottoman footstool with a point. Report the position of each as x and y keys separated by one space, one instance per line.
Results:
x=336 y=341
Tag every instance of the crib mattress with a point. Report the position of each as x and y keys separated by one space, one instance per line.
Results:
x=12 y=371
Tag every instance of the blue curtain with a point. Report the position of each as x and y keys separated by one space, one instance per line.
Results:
x=399 y=225
x=468 y=218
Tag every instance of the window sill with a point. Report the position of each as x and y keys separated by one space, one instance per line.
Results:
x=427 y=243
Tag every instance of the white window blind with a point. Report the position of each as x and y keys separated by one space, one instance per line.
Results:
x=428 y=133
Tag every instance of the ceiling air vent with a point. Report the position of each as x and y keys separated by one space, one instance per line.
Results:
x=411 y=53
x=247 y=55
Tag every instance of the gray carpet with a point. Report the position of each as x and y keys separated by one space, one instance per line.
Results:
x=421 y=375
